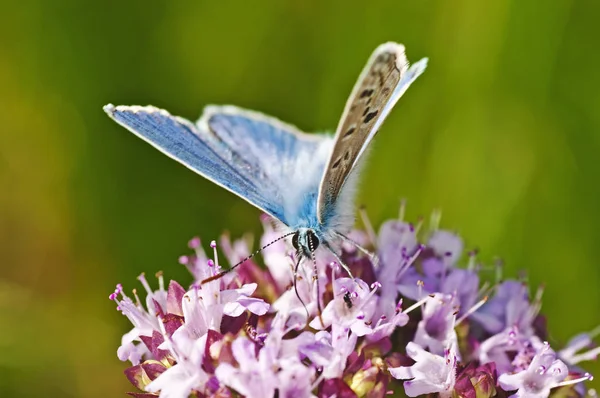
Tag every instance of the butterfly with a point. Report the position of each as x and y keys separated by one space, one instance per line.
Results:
x=306 y=181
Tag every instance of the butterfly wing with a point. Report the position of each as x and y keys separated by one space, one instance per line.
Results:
x=207 y=149
x=292 y=161
x=380 y=85
x=263 y=142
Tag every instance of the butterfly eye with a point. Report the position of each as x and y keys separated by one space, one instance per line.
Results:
x=295 y=240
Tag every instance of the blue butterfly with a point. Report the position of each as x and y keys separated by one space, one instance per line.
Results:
x=306 y=181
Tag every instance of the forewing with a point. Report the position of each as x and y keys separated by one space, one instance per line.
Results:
x=382 y=82
x=292 y=161
x=261 y=141
x=188 y=144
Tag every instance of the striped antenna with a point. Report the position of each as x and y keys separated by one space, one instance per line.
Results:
x=223 y=273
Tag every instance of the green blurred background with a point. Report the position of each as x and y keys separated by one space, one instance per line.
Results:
x=502 y=133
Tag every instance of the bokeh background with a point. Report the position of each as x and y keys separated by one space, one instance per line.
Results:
x=502 y=133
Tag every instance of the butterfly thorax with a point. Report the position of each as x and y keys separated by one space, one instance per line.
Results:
x=305 y=241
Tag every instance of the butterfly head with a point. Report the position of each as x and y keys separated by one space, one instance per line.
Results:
x=305 y=241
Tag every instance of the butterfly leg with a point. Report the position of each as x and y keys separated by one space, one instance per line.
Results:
x=339 y=260
x=372 y=256
x=295 y=279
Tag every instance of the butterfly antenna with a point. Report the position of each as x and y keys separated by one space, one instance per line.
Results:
x=223 y=273
x=372 y=256
x=296 y=288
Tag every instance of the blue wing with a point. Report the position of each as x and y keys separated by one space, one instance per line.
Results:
x=262 y=142
x=233 y=148
x=290 y=160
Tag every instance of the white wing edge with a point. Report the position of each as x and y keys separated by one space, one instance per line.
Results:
x=110 y=109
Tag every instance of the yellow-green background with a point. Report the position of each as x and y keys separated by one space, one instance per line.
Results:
x=502 y=132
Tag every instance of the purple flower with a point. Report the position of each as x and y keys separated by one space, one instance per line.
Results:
x=446 y=246
x=397 y=242
x=144 y=322
x=430 y=374
x=438 y=275
x=262 y=370
x=509 y=350
x=510 y=307
x=204 y=308
x=572 y=353
x=386 y=324
x=289 y=303
x=543 y=373
x=397 y=249
x=295 y=379
x=187 y=374
x=254 y=376
x=436 y=330
x=352 y=307
x=463 y=284
x=224 y=339
x=329 y=352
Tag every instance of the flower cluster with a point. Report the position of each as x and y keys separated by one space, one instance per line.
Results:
x=411 y=319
